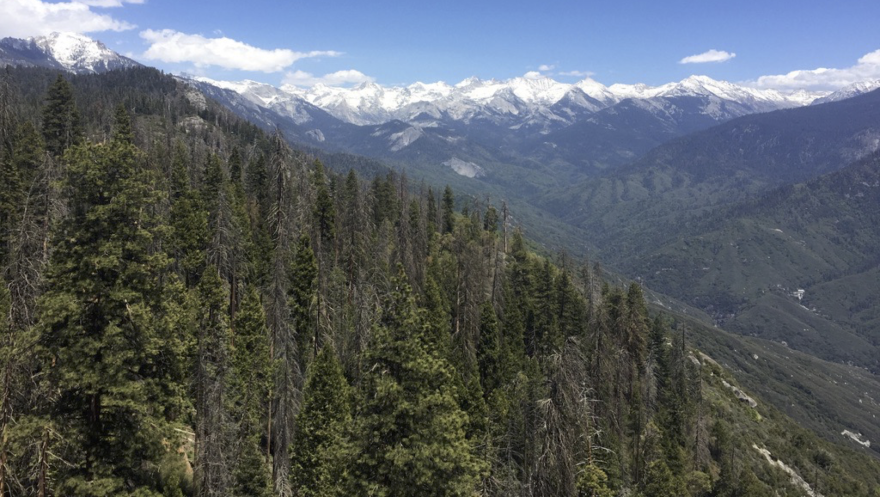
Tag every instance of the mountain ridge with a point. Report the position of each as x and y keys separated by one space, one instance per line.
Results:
x=66 y=51
x=371 y=103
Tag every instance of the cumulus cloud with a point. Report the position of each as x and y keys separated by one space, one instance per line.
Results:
x=338 y=78
x=866 y=68
x=24 y=18
x=173 y=46
x=708 y=56
x=532 y=75
x=546 y=67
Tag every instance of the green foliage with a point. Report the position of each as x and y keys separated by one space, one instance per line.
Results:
x=489 y=351
x=448 y=210
x=188 y=220
x=303 y=293
x=661 y=482
x=411 y=430
x=249 y=391
x=321 y=449
x=100 y=330
x=592 y=482
x=324 y=211
x=61 y=121
x=122 y=132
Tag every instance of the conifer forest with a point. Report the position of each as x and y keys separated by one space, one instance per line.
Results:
x=193 y=307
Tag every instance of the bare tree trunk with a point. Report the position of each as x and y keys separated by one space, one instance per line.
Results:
x=42 y=479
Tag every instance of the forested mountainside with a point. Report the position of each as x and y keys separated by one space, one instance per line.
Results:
x=190 y=307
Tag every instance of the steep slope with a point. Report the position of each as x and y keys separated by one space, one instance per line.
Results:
x=850 y=91
x=798 y=265
x=651 y=200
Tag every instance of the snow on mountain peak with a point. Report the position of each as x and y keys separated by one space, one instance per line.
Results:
x=471 y=81
x=638 y=90
x=596 y=90
x=79 y=53
x=537 y=89
x=850 y=91
x=532 y=99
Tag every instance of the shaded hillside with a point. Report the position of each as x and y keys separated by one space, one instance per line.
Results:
x=798 y=265
x=652 y=200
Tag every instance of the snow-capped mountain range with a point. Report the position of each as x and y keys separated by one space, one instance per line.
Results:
x=65 y=51
x=581 y=128
x=522 y=100
x=586 y=125
x=850 y=91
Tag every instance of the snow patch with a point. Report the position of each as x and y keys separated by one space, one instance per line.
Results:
x=467 y=169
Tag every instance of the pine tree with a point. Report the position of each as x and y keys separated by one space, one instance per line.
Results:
x=101 y=328
x=324 y=211
x=250 y=387
x=431 y=212
x=302 y=295
x=448 y=210
x=188 y=220
x=489 y=351
x=593 y=482
x=490 y=220
x=320 y=449
x=61 y=122
x=288 y=375
x=661 y=482
x=122 y=131
x=234 y=164
x=412 y=439
x=213 y=440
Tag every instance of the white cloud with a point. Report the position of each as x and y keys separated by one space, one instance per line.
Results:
x=108 y=3
x=709 y=56
x=532 y=75
x=546 y=67
x=24 y=18
x=173 y=46
x=577 y=74
x=338 y=78
x=866 y=68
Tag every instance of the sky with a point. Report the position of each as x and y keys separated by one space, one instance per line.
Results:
x=815 y=45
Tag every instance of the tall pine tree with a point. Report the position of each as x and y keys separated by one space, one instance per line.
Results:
x=62 y=127
x=320 y=449
x=102 y=332
x=412 y=431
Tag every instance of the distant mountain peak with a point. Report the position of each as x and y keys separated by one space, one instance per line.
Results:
x=850 y=91
x=532 y=99
x=471 y=81
x=70 y=52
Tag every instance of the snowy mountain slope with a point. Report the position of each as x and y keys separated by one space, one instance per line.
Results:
x=850 y=91
x=65 y=51
x=531 y=101
x=584 y=127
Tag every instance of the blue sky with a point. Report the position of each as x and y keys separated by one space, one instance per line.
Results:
x=395 y=43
